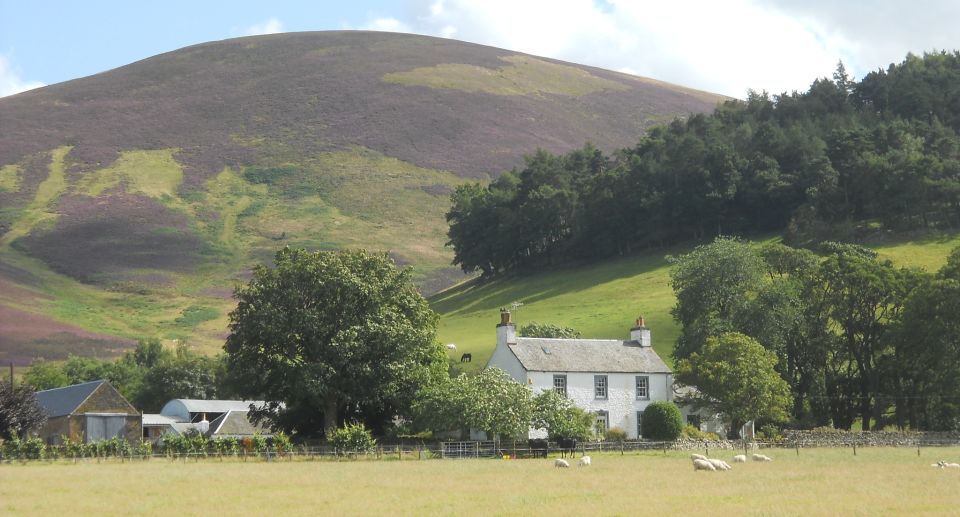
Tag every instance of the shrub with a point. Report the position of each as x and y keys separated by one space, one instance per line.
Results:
x=662 y=420
x=615 y=434
x=281 y=442
x=259 y=443
x=692 y=432
x=769 y=432
x=352 y=438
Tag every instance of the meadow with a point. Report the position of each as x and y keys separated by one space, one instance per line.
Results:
x=877 y=481
x=602 y=300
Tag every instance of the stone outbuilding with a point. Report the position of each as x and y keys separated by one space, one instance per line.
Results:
x=88 y=412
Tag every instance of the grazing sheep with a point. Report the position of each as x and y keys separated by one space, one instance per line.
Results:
x=703 y=465
x=584 y=461
x=945 y=465
x=740 y=458
x=697 y=457
x=761 y=457
x=561 y=464
x=719 y=464
x=451 y=346
x=938 y=464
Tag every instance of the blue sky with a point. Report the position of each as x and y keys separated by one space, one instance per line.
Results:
x=725 y=46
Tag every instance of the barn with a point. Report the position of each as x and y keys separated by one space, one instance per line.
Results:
x=88 y=412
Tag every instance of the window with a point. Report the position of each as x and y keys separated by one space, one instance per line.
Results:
x=600 y=386
x=560 y=384
x=601 y=423
x=639 y=424
x=643 y=387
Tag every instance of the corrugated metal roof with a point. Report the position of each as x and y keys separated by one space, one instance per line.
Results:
x=586 y=355
x=215 y=406
x=154 y=419
x=63 y=401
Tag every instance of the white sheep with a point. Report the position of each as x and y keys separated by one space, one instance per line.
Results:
x=451 y=346
x=703 y=465
x=719 y=464
x=697 y=457
x=584 y=461
x=561 y=464
x=740 y=458
x=946 y=465
x=761 y=457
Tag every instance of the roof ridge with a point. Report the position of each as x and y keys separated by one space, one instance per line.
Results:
x=73 y=385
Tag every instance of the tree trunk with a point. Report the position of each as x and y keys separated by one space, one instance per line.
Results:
x=330 y=406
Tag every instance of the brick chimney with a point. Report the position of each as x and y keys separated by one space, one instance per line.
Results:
x=506 y=330
x=640 y=333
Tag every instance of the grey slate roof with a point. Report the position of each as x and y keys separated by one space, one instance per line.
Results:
x=236 y=424
x=586 y=355
x=63 y=401
x=214 y=406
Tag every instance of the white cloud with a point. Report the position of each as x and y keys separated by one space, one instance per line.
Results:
x=10 y=80
x=725 y=47
x=270 y=26
x=388 y=25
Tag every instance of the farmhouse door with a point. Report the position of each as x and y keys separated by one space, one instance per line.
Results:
x=104 y=427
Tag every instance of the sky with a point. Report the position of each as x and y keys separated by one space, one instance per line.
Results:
x=721 y=46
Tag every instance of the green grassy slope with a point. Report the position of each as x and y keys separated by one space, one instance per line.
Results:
x=603 y=300
x=132 y=201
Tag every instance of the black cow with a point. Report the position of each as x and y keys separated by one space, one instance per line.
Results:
x=466 y=358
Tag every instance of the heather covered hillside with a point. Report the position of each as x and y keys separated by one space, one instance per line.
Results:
x=132 y=201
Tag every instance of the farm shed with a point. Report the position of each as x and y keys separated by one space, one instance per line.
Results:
x=88 y=412
x=212 y=417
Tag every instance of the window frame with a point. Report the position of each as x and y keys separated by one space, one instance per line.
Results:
x=601 y=382
x=604 y=417
x=639 y=424
x=646 y=387
x=561 y=390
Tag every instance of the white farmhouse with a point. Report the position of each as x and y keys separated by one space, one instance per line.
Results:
x=612 y=378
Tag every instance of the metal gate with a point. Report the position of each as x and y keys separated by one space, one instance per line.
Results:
x=486 y=449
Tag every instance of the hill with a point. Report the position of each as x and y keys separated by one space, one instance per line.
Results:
x=132 y=200
x=602 y=300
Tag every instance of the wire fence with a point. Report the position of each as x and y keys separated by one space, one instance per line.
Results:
x=470 y=450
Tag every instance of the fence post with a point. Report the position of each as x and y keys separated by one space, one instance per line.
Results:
x=399 y=453
x=918 y=447
x=854 y=448
x=796 y=444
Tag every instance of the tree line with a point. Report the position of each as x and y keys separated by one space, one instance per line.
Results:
x=148 y=376
x=837 y=162
x=853 y=337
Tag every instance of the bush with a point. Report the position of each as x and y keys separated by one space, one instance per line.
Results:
x=692 y=432
x=615 y=434
x=352 y=438
x=770 y=433
x=662 y=421
x=281 y=442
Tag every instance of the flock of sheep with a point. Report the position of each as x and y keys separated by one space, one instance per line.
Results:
x=945 y=465
x=564 y=464
x=701 y=462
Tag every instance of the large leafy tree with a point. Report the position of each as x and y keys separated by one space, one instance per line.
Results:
x=734 y=375
x=19 y=411
x=560 y=417
x=713 y=284
x=321 y=331
x=548 y=330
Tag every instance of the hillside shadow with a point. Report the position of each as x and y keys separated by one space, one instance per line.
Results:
x=480 y=295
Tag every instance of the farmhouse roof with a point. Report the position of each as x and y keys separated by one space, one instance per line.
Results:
x=63 y=401
x=586 y=355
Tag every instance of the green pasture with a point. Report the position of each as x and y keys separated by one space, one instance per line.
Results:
x=877 y=481
x=603 y=300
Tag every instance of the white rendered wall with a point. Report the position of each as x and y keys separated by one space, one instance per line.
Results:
x=621 y=403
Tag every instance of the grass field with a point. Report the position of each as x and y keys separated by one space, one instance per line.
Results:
x=602 y=300
x=878 y=481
